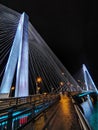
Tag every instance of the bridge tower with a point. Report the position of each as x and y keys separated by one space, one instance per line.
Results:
x=89 y=83
x=18 y=60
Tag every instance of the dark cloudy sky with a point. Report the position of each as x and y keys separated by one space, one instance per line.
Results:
x=69 y=27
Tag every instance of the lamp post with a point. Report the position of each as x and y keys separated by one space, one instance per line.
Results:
x=38 y=81
x=11 y=91
x=61 y=85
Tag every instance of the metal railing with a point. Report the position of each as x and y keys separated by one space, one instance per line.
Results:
x=82 y=120
x=17 y=112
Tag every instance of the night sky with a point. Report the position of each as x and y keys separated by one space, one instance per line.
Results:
x=69 y=27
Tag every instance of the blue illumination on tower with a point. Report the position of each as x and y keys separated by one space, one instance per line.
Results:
x=22 y=67
x=88 y=80
x=18 y=56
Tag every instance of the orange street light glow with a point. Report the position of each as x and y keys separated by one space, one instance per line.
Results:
x=39 y=79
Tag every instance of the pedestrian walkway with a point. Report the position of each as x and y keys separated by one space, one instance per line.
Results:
x=65 y=117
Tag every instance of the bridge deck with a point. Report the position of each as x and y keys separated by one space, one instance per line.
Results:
x=65 y=117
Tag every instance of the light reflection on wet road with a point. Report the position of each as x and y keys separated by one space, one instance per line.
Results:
x=64 y=119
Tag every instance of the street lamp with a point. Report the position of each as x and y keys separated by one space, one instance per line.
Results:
x=38 y=80
x=12 y=90
x=61 y=84
x=62 y=73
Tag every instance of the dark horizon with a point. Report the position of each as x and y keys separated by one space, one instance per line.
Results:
x=70 y=28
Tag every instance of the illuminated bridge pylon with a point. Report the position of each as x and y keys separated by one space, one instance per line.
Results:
x=18 y=59
x=89 y=83
x=85 y=80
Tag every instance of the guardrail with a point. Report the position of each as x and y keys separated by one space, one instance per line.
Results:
x=17 y=112
x=82 y=120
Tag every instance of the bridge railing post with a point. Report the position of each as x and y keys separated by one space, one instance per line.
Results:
x=9 y=124
x=16 y=101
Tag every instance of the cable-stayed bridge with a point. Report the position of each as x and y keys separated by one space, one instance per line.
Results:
x=31 y=75
x=26 y=58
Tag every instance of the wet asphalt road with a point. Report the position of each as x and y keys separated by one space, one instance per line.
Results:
x=65 y=117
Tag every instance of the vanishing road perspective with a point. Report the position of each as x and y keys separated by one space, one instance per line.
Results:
x=36 y=90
